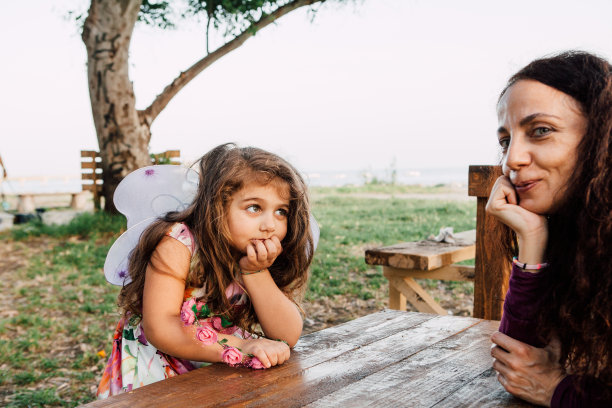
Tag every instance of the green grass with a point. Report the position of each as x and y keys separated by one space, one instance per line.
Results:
x=349 y=225
x=63 y=312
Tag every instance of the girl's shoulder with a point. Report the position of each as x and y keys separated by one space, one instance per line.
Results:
x=182 y=233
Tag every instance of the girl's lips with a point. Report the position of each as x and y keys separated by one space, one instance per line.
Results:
x=525 y=186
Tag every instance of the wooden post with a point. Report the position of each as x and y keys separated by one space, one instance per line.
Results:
x=492 y=270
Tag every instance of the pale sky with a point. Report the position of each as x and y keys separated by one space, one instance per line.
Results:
x=363 y=85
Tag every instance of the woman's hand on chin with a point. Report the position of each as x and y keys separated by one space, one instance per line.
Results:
x=531 y=229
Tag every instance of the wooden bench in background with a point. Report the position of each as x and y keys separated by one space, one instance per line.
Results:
x=91 y=169
x=430 y=260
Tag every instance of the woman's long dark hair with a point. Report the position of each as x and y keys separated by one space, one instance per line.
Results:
x=223 y=171
x=578 y=307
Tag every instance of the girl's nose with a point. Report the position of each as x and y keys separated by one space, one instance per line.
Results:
x=267 y=223
x=517 y=155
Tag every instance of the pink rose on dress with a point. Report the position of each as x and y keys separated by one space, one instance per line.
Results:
x=217 y=323
x=206 y=334
x=231 y=356
x=187 y=315
x=255 y=364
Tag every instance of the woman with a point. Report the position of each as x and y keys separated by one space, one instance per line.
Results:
x=554 y=347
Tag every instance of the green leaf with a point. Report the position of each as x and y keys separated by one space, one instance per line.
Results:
x=225 y=322
x=128 y=334
x=204 y=312
x=222 y=341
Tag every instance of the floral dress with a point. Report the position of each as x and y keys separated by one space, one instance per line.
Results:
x=135 y=362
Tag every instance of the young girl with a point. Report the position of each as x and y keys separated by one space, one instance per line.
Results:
x=203 y=278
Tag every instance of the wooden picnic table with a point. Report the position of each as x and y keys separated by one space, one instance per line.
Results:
x=404 y=262
x=390 y=358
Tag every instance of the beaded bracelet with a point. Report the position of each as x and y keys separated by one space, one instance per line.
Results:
x=530 y=267
x=251 y=273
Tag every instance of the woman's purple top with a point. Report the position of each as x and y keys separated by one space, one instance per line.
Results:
x=519 y=322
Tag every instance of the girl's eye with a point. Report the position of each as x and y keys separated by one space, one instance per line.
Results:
x=541 y=131
x=253 y=208
x=282 y=212
x=504 y=142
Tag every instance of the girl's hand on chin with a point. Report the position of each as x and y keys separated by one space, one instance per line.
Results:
x=260 y=254
x=503 y=205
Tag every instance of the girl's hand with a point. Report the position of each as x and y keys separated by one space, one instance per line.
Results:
x=527 y=372
x=531 y=229
x=260 y=254
x=269 y=352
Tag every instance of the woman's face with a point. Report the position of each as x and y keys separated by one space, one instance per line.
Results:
x=539 y=131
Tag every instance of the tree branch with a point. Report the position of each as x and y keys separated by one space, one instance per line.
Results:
x=170 y=91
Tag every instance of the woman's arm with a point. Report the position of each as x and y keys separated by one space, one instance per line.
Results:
x=162 y=302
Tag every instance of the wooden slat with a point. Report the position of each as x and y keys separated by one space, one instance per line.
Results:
x=416 y=295
x=450 y=273
x=91 y=165
x=340 y=373
x=91 y=176
x=89 y=153
x=481 y=180
x=425 y=378
x=482 y=392
x=209 y=385
x=92 y=187
x=423 y=255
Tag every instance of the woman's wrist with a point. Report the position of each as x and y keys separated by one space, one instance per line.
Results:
x=532 y=248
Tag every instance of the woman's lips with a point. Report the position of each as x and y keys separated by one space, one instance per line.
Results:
x=525 y=186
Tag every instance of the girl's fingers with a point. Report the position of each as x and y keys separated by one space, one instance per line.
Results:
x=271 y=248
x=262 y=252
x=263 y=357
x=277 y=243
x=251 y=253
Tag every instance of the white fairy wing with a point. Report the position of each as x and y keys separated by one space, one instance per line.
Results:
x=153 y=191
x=143 y=196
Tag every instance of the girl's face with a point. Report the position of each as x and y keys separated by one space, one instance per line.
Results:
x=539 y=131
x=258 y=212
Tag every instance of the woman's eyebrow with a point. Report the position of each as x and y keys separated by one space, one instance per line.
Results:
x=533 y=116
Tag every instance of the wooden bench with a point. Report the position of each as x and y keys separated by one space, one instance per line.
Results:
x=91 y=169
x=26 y=202
x=404 y=262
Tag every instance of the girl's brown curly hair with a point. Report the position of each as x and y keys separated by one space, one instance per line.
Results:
x=222 y=172
x=578 y=307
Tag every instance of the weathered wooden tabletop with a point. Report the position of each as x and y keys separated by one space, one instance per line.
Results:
x=390 y=358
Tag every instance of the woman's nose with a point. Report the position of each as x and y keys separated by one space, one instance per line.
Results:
x=516 y=156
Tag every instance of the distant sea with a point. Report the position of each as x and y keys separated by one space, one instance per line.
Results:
x=427 y=177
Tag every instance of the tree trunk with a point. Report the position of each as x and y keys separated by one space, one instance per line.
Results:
x=123 y=134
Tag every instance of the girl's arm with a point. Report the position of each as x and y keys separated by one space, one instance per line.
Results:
x=162 y=301
x=278 y=316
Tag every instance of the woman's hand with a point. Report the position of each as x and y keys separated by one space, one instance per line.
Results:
x=260 y=254
x=527 y=372
x=531 y=229
x=269 y=352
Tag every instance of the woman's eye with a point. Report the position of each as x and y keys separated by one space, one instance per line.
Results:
x=253 y=208
x=541 y=131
